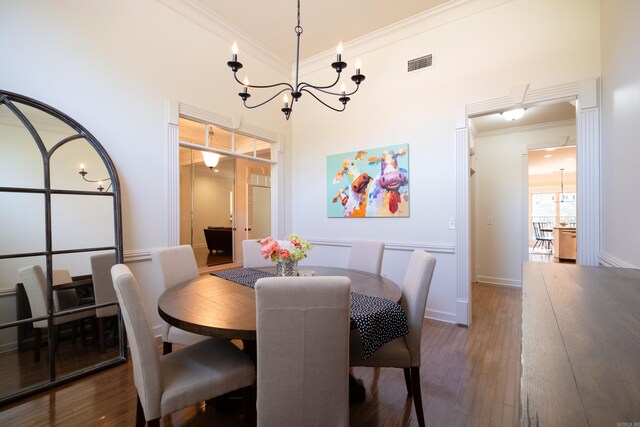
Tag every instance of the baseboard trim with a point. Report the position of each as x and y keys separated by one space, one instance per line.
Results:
x=500 y=281
x=610 y=261
x=7 y=347
x=441 y=316
x=462 y=312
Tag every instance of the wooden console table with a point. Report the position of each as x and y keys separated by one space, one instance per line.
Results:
x=580 y=345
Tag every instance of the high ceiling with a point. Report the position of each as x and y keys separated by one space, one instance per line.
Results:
x=325 y=23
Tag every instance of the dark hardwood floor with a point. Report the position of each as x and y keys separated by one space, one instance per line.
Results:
x=469 y=376
x=204 y=258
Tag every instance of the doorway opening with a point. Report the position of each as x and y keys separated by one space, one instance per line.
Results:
x=552 y=201
x=587 y=130
x=515 y=186
x=221 y=198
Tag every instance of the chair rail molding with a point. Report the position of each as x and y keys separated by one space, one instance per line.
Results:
x=586 y=94
x=437 y=248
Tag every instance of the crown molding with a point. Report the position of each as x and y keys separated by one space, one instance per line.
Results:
x=194 y=11
x=410 y=27
x=401 y=30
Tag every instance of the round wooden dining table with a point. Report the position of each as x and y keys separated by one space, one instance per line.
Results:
x=216 y=307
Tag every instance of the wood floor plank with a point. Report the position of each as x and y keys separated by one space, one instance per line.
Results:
x=469 y=376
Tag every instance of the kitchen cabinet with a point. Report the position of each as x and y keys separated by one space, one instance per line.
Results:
x=564 y=243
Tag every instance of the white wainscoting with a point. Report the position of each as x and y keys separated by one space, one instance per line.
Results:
x=335 y=252
x=8 y=338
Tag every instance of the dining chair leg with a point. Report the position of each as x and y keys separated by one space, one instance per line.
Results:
x=167 y=348
x=417 y=394
x=249 y=406
x=36 y=344
x=74 y=331
x=83 y=332
x=140 y=421
x=56 y=337
x=407 y=380
x=101 y=321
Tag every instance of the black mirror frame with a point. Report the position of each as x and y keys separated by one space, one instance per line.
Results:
x=8 y=99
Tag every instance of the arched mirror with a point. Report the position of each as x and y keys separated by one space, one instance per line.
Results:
x=60 y=228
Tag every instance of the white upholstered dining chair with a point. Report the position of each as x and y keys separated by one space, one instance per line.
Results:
x=103 y=291
x=35 y=286
x=404 y=352
x=251 y=256
x=63 y=299
x=303 y=351
x=366 y=255
x=173 y=266
x=168 y=383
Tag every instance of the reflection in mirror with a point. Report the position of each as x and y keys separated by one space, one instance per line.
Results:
x=82 y=221
x=74 y=157
x=22 y=225
x=50 y=129
x=20 y=159
x=81 y=344
x=53 y=221
x=17 y=343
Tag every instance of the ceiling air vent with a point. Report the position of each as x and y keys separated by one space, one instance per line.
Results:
x=419 y=63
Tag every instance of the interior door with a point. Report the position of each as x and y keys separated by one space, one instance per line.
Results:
x=252 y=203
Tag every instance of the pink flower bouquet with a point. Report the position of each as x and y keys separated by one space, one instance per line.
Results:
x=293 y=249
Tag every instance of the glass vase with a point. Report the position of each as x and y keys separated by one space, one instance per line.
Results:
x=287 y=268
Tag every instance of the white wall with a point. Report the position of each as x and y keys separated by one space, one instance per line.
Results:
x=620 y=147
x=112 y=66
x=477 y=56
x=501 y=194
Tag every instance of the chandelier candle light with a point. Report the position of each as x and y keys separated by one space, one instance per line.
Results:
x=296 y=91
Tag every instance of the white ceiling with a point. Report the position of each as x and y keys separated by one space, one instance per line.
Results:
x=325 y=23
x=536 y=115
x=552 y=161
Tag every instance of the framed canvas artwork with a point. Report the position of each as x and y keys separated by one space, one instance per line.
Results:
x=369 y=183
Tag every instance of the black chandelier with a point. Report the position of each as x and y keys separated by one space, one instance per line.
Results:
x=296 y=91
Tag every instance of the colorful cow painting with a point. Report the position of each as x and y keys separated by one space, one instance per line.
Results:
x=391 y=186
x=369 y=183
x=353 y=196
